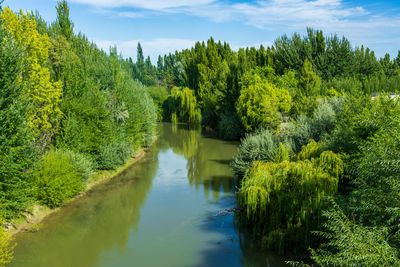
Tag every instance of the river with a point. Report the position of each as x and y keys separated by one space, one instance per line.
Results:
x=168 y=209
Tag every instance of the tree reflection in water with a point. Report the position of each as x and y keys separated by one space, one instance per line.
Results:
x=205 y=166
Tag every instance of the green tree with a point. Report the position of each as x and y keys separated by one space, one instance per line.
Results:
x=309 y=88
x=183 y=106
x=282 y=200
x=260 y=103
x=44 y=95
x=16 y=142
x=63 y=20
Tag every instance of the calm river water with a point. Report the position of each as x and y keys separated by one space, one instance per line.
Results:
x=165 y=210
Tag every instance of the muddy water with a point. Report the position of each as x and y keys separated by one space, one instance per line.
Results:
x=169 y=209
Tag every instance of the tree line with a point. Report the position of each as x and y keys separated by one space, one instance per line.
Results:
x=317 y=165
x=67 y=109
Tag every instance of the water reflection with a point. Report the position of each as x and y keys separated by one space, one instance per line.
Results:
x=80 y=233
x=163 y=211
x=207 y=158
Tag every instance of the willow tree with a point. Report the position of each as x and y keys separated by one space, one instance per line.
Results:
x=183 y=105
x=283 y=200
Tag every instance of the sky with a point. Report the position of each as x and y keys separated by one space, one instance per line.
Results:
x=163 y=26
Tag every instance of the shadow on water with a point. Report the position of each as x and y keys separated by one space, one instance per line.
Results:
x=222 y=161
x=232 y=248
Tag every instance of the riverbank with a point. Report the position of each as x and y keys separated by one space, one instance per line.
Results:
x=32 y=221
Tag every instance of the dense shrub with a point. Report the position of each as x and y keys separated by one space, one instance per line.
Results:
x=159 y=94
x=114 y=154
x=261 y=103
x=346 y=84
x=6 y=246
x=17 y=149
x=297 y=133
x=351 y=244
x=259 y=146
x=230 y=127
x=60 y=176
x=317 y=127
x=283 y=200
x=324 y=118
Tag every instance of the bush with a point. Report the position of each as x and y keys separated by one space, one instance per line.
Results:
x=83 y=163
x=261 y=103
x=259 y=146
x=6 y=246
x=282 y=201
x=114 y=154
x=353 y=245
x=60 y=176
x=297 y=133
x=230 y=127
x=317 y=127
x=323 y=120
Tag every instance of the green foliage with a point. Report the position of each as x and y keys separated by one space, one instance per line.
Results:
x=282 y=154
x=65 y=24
x=283 y=199
x=309 y=88
x=260 y=103
x=230 y=127
x=17 y=151
x=376 y=180
x=259 y=146
x=44 y=94
x=367 y=131
x=350 y=244
x=318 y=127
x=159 y=94
x=59 y=177
x=347 y=84
x=114 y=154
x=6 y=247
x=359 y=118
x=324 y=118
x=297 y=133
x=59 y=90
x=182 y=105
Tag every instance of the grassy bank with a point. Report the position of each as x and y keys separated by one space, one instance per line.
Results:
x=32 y=221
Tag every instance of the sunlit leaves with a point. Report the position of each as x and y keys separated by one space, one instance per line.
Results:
x=260 y=103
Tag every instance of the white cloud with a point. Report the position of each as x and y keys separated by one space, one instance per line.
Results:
x=132 y=15
x=287 y=13
x=332 y=16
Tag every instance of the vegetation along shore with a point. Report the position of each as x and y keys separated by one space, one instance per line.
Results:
x=316 y=120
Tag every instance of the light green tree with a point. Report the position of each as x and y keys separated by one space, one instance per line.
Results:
x=44 y=95
x=309 y=88
x=260 y=103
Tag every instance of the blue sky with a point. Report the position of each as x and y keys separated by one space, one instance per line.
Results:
x=164 y=26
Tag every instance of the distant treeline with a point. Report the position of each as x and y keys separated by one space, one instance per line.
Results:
x=216 y=74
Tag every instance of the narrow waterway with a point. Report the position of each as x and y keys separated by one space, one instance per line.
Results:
x=166 y=210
